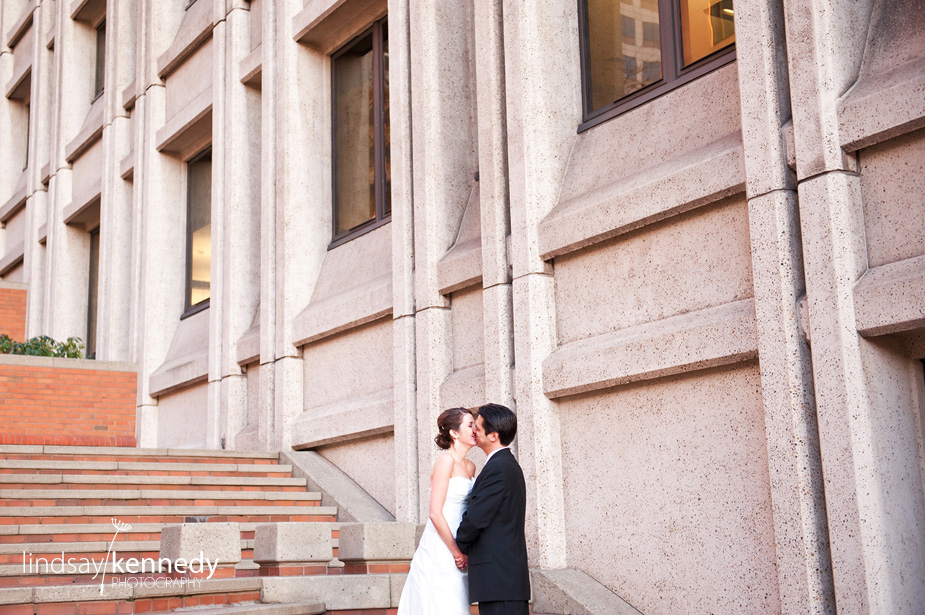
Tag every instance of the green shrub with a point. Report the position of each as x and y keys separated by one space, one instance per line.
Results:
x=43 y=346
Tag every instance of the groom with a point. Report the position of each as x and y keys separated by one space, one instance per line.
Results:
x=492 y=529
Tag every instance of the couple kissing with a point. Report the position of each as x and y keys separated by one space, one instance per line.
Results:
x=473 y=548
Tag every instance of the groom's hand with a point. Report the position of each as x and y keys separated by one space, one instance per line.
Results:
x=462 y=561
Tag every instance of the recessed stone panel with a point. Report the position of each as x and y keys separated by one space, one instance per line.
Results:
x=371 y=463
x=667 y=493
x=694 y=261
x=893 y=191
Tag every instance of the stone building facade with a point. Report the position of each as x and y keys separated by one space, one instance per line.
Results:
x=696 y=272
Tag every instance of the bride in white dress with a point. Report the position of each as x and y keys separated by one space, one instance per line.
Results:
x=435 y=585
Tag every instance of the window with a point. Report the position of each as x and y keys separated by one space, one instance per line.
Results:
x=199 y=232
x=25 y=162
x=680 y=40
x=100 y=61
x=361 y=139
x=92 y=293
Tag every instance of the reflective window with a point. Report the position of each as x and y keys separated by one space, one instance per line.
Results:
x=93 y=294
x=199 y=230
x=100 y=61
x=635 y=50
x=361 y=147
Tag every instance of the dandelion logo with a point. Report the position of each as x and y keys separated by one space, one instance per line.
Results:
x=120 y=527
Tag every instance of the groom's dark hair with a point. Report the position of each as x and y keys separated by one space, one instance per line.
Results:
x=498 y=418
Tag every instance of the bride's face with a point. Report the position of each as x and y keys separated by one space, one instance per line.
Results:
x=466 y=431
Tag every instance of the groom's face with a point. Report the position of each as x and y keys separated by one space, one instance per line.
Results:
x=485 y=443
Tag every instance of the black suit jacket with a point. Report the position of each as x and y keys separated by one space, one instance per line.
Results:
x=492 y=532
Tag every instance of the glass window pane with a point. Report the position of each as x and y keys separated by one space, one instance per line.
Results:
x=617 y=48
x=100 y=59
x=354 y=136
x=387 y=173
x=200 y=229
x=93 y=294
x=706 y=26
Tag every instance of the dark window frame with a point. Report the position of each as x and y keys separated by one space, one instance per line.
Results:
x=92 y=341
x=674 y=73
x=188 y=308
x=377 y=29
x=99 y=64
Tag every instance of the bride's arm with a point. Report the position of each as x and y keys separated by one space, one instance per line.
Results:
x=439 y=484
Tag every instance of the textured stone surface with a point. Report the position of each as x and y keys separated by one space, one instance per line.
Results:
x=574 y=592
x=293 y=542
x=340 y=592
x=219 y=542
x=352 y=501
x=370 y=542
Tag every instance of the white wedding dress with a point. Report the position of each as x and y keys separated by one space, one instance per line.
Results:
x=435 y=586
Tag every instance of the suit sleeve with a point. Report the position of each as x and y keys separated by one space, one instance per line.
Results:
x=484 y=503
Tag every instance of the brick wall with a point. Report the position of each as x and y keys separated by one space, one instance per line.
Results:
x=66 y=402
x=13 y=312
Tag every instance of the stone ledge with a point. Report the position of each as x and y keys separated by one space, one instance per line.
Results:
x=90 y=132
x=337 y=489
x=251 y=68
x=187 y=360
x=15 y=87
x=84 y=208
x=194 y=30
x=127 y=166
x=338 y=592
x=345 y=420
x=573 y=592
x=58 y=363
x=698 y=340
x=21 y=26
x=891 y=298
x=15 y=202
x=4 y=285
x=461 y=267
x=325 y=24
x=130 y=95
x=888 y=97
x=891 y=106
x=464 y=388
x=698 y=178
x=12 y=258
x=344 y=311
x=189 y=128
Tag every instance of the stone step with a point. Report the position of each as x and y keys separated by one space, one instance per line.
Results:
x=89 y=547
x=33 y=466
x=72 y=532
x=95 y=452
x=172 y=595
x=119 y=481
x=16 y=575
x=298 y=608
x=26 y=515
x=53 y=497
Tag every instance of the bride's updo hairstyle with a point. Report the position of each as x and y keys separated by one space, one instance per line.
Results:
x=449 y=419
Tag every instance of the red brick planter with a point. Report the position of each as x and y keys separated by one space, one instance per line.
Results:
x=13 y=310
x=70 y=402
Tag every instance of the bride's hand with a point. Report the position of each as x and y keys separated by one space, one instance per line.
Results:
x=462 y=561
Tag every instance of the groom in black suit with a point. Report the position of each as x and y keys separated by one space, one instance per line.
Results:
x=492 y=529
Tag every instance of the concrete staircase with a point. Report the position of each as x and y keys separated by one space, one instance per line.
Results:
x=60 y=503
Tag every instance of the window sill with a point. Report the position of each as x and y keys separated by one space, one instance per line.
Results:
x=359 y=231
x=643 y=96
x=191 y=311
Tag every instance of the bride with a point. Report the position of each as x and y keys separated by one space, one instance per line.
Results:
x=435 y=586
